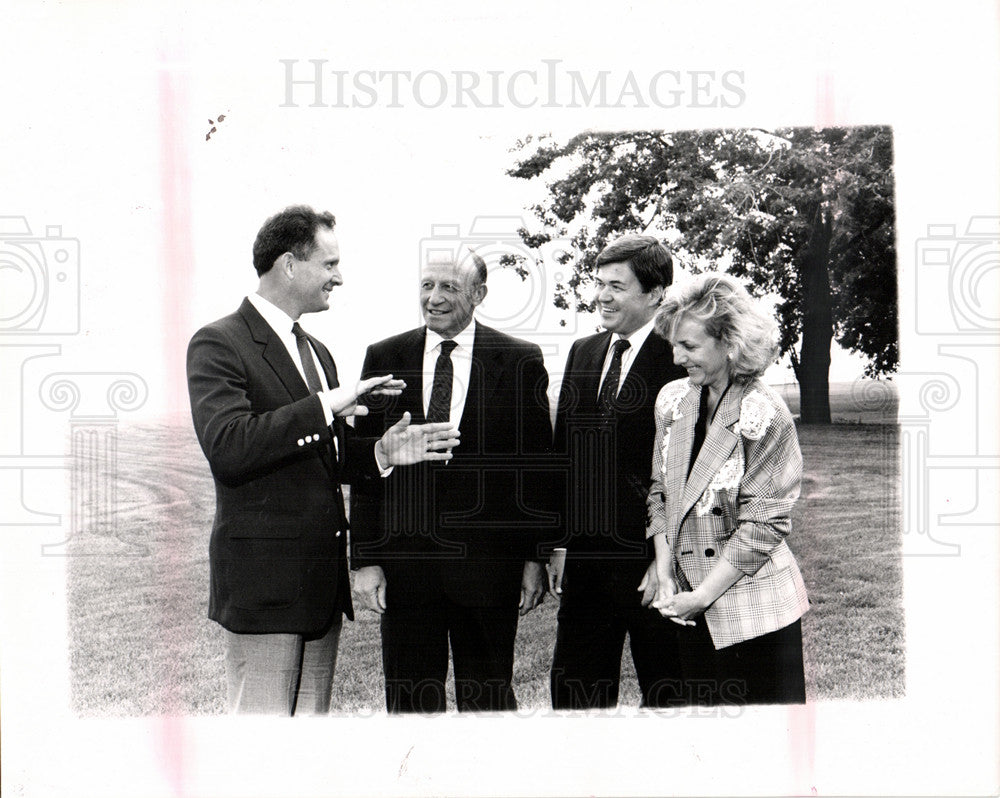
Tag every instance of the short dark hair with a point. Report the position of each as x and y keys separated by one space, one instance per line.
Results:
x=292 y=230
x=649 y=260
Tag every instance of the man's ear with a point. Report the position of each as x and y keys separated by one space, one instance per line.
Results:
x=479 y=294
x=286 y=262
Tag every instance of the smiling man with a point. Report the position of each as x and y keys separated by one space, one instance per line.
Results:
x=269 y=414
x=447 y=553
x=604 y=439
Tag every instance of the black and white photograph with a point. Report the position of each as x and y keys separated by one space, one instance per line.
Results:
x=522 y=400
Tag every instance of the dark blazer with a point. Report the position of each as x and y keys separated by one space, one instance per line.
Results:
x=606 y=460
x=277 y=554
x=482 y=514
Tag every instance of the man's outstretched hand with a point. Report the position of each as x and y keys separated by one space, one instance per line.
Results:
x=405 y=443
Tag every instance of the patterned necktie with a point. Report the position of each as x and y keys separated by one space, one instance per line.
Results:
x=439 y=407
x=305 y=356
x=609 y=388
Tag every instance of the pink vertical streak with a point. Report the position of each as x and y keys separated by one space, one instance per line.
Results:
x=826 y=113
x=177 y=246
x=802 y=741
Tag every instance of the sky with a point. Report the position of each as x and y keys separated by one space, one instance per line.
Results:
x=144 y=228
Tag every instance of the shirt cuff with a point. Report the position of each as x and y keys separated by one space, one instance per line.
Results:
x=324 y=400
x=384 y=469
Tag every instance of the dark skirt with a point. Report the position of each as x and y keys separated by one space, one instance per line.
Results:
x=764 y=670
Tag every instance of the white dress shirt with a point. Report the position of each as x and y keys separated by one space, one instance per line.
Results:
x=636 y=340
x=281 y=323
x=461 y=359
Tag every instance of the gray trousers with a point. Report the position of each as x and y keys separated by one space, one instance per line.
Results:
x=280 y=674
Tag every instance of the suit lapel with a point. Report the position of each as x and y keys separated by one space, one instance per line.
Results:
x=326 y=361
x=720 y=440
x=410 y=357
x=643 y=383
x=679 y=453
x=489 y=354
x=590 y=369
x=273 y=352
x=487 y=367
x=338 y=427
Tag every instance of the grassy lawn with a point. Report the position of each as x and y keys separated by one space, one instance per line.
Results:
x=140 y=642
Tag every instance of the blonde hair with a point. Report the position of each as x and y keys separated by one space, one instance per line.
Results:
x=729 y=314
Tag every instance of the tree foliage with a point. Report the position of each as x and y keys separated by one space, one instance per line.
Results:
x=805 y=214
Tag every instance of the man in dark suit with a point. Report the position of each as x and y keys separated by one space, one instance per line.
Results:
x=274 y=435
x=449 y=552
x=604 y=438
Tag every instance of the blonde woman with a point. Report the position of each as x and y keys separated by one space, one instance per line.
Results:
x=726 y=473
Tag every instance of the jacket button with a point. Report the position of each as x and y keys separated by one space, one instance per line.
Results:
x=338 y=534
x=709 y=552
x=301 y=442
x=716 y=511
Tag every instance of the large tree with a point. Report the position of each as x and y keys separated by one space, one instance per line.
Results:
x=807 y=215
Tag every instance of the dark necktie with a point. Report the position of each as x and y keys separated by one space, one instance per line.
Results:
x=439 y=407
x=315 y=386
x=306 y=357
x=700 y=429
x=609 y=388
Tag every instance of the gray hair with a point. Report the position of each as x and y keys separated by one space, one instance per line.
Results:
x=729 y=314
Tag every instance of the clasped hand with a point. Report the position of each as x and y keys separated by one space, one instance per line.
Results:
x=660 y=593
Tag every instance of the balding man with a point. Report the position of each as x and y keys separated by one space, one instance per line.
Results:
x=447 y=552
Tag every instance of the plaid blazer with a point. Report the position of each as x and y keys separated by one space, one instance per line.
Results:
x=736 y=504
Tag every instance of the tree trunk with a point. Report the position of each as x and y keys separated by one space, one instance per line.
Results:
x=817 y=325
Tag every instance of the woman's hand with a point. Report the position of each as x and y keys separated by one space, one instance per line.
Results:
x=658 y=586
x=682 y=608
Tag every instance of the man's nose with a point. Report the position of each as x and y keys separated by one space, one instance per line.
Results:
x=336 y=278
x=604 y=294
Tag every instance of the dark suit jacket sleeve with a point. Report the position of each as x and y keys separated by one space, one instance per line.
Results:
x=238 y=442
x=366 y=497
x=536 y=432
x=559 y=485
x=566 y=392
